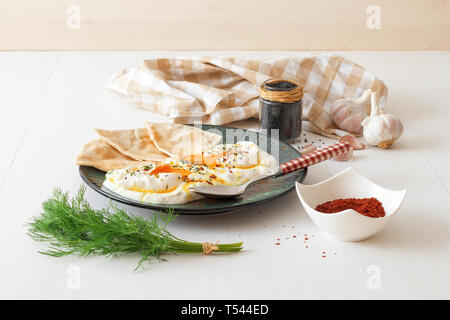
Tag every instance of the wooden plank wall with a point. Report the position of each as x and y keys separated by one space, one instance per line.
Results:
x=230 y=24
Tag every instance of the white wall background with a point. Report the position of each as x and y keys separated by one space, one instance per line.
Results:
x=231 y=24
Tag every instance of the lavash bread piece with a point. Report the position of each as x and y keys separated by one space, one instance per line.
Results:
x=118 y=149
x=180 y=141
x=103 y=156
x=134 y=143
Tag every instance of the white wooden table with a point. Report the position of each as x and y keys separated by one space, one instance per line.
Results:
x=51 y=101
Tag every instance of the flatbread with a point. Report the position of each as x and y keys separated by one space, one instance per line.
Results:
x=180 y=141
x=103 y=156
x=134 y=143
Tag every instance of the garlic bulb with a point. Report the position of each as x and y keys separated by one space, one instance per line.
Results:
x=381 y=129
x=349 y=113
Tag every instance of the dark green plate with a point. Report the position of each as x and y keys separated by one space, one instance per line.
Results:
x=259 y=193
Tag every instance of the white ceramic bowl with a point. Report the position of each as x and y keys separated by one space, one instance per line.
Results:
x=348 y=225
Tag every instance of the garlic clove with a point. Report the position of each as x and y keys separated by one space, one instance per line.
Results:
x=345 y=156
x=354 y=142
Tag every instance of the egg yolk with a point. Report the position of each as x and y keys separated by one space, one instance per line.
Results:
x=209 y=160
x=166 y=168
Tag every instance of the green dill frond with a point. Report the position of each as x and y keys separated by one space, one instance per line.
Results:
x=72 y=226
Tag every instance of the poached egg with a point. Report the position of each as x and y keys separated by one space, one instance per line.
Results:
x=168 y=182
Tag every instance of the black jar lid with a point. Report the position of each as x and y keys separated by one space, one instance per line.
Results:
x=280 y=85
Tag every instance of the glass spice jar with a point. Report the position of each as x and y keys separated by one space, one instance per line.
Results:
x=281 y=108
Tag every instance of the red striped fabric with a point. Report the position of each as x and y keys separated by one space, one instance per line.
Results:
x=316 y=157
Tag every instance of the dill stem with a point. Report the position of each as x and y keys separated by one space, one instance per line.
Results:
x=198 y=247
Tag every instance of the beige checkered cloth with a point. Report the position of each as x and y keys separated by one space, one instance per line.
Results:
x=219 y=90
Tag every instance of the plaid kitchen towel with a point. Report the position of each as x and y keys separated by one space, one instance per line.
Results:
x=219 y=90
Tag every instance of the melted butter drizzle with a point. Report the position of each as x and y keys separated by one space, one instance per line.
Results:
x=137 y=189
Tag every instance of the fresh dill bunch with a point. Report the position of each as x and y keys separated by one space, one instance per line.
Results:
x=72 y=226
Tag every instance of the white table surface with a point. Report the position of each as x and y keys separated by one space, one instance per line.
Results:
x=51 y=101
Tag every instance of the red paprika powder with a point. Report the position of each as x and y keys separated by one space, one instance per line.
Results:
x=369 y=207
